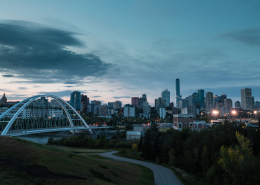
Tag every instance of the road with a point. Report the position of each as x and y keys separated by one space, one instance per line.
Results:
x=162 y=175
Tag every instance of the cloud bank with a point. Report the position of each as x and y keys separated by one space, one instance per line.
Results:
x=40 y=54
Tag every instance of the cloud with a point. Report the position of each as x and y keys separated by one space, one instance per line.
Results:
x=22 y=88
x=40 y=54
x=57 y=93
x=8 y=76
x=118 y=97
x=68 y=86
x=71 y=82
x=96 y=96
x=250 y=36
x=5 y=90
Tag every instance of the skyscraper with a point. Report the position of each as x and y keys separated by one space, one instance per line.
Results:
x=237 y=104
x=222 y=98
x=209 y=101
x=142 y=100
x=195 y=99
x=201 y=98
x=247 y=100
x=118 y=105
x=166 y=96
x=177 y=91
x=177 y=87
x=75 y=100
x=228 y=104
x=135 y=101
x=85 y=102
x=159 y=103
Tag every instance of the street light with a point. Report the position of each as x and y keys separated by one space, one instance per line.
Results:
x=215 y=112
x=234 y=113
x=255 y=112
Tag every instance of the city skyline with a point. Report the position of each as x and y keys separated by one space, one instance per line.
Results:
x=124 y=49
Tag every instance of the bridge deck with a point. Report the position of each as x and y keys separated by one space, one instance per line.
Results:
x=44 y=130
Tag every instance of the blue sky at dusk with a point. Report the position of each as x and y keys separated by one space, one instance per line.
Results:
x=113 y=50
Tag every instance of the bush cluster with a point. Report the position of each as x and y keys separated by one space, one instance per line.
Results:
x=88 y=142
x=198 y=153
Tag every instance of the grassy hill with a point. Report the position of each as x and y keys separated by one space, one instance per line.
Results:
x=31 y=163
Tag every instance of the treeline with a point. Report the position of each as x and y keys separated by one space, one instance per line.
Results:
x=88 y=142
x=212 y=156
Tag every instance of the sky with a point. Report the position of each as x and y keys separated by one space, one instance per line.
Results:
x=114 y=50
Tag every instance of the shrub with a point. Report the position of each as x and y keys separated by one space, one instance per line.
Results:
x=134 y=147
x=122 y=151
x=121 y=144
x=50 y=140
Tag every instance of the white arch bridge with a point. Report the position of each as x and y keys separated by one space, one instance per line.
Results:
x=70 y=112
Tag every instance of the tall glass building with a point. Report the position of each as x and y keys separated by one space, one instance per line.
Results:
x=177 y=91
x=247 y=100
x=201 y=98
x=75 y=100
x=166 y=96
x=195 y=99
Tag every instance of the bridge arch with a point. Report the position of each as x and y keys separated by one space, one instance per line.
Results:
x=27 y=101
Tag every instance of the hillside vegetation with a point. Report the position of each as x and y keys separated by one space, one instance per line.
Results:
x=31 y=163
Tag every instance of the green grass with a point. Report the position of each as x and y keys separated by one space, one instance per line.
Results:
x=28 y=162
x=81 y=151
x=163 y=129
x=147 y=176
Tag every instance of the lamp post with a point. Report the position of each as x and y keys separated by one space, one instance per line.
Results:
x=255 y=112
x=215 y=112
x=234 y=113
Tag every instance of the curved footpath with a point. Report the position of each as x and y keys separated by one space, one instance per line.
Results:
x=162 y=175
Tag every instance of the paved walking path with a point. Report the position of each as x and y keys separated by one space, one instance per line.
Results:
x=162 y=175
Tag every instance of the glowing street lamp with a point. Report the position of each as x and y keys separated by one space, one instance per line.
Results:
x=215 y=112
x=255 y=112
x=234 y=113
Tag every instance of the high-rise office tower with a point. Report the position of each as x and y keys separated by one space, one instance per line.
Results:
x=209 y=101
x=118 y=105
x=85 y=102
x=135 y=101
x=222 y=98
x=144 y=97
x=247 y=100
x=195 y=100
x=142 y=100
x=96 y=107
x=237 y=104
x=177 y=87
x=228 y=104
x=177 y=91
x=75 y=100
x=160 y=103
x=201 y=98
x=166 y=96
x=216 y=101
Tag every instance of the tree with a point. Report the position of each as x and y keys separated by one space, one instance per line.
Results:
x=236 y=160
x=134 y=147
x=172 y=158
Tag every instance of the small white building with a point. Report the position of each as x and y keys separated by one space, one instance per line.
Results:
x=184 y=110
x=136 y=134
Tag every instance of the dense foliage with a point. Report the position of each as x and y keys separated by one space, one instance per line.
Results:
x=222 y=155
x=88 y=142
